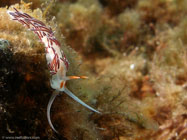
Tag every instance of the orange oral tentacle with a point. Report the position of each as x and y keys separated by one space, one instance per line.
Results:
x=77 y=77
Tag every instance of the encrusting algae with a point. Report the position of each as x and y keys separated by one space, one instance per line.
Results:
x=134 y=53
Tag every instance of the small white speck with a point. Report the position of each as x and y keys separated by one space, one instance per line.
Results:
x=132 y=66
x=157 y=93
x=101 y=128
x=176 y=134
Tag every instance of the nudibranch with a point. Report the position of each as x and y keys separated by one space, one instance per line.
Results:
x=56 y=59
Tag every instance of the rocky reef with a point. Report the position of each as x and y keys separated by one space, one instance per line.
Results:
x=134 y=53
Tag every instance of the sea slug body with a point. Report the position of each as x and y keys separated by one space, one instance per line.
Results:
x=56 y=59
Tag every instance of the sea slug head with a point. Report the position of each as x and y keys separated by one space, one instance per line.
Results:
x=57 y=83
